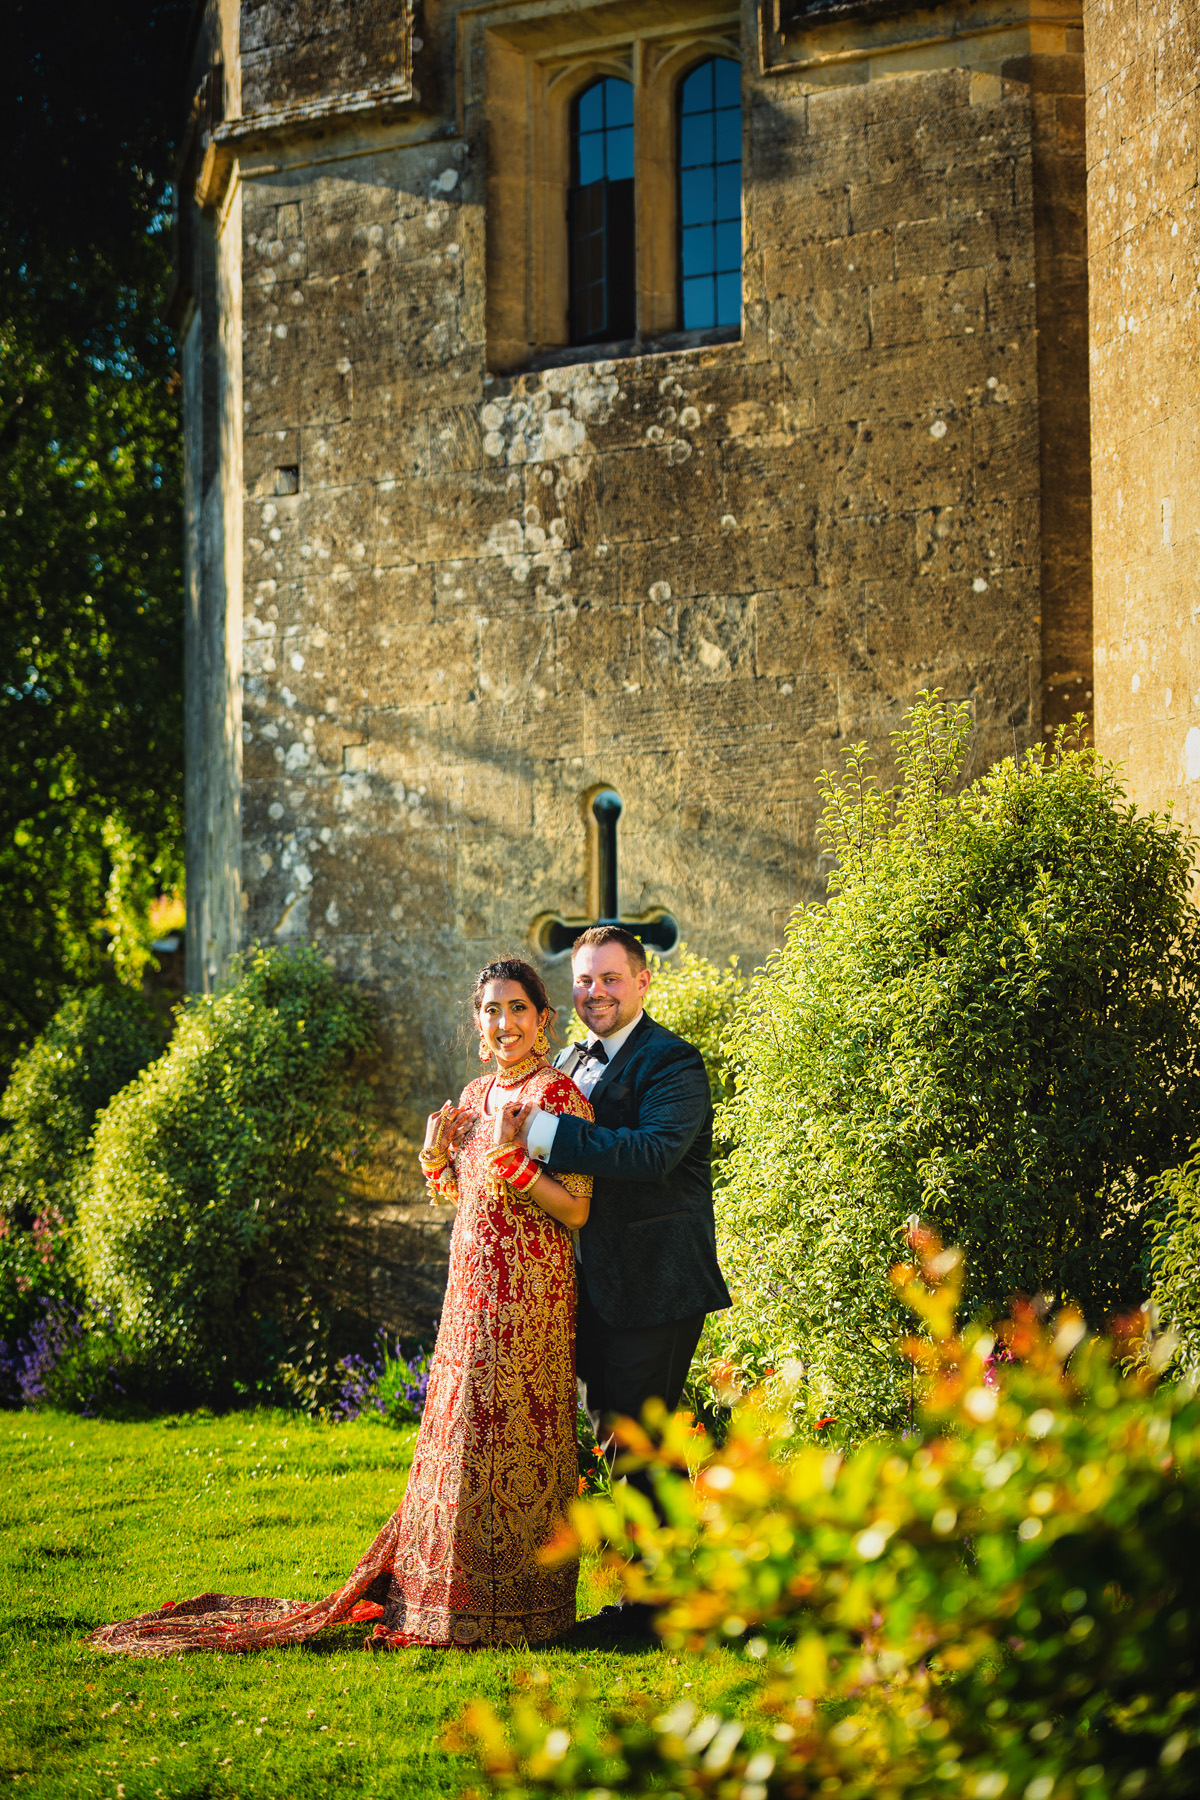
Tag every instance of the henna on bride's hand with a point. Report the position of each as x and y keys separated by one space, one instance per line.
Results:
x=438 y=1126
x=464 y=1118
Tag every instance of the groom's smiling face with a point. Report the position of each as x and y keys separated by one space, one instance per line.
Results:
x=608 y=990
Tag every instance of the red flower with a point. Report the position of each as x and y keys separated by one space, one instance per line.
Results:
x=829 y=1419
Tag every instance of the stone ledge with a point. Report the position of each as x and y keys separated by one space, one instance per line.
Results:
x=260 y=131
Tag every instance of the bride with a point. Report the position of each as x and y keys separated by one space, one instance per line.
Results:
x=495 y=1464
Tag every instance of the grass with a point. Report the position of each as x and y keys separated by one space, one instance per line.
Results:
x=102 y=1520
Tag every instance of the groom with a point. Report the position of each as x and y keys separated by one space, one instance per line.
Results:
x=648 y=1254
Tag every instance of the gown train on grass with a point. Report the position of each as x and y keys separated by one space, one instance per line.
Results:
x=495 y=1465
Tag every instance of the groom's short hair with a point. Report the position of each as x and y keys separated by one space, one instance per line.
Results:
x=612 y=934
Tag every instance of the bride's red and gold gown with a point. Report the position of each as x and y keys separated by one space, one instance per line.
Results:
x=495 y=1465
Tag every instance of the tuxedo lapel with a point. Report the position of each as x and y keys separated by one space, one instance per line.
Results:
x=621 y=1058
x=568 y=1060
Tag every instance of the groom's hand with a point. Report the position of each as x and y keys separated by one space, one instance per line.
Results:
x=510 y=1123
x=523 y=1114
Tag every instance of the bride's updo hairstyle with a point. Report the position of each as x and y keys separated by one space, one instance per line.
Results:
x=511 y=968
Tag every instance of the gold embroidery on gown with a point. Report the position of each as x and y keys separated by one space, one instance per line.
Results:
x=495 y=1464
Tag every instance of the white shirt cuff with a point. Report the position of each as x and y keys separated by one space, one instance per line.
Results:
x=539 y=1138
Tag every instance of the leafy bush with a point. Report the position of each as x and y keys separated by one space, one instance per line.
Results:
x=92 y=1048
x=207 y=1225
x=1175 y=1259
x=1003 y=1602
x=993 y=1026
x=94 y=1045
x=696 y=1000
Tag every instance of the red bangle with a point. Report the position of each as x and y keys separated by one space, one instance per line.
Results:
x=512 y=1163
x=526 y=1173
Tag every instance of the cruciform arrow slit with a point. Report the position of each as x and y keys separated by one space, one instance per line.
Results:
x=554 y=934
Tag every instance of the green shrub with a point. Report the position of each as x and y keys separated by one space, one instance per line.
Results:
x=696 y=1000
x=993 y=1026
x=1175 y=1259
x=93 y=1046
x=209 y=1219
x=91 y=1049
x=75 y=1362
x=1003 y=1602
x=391 y=1382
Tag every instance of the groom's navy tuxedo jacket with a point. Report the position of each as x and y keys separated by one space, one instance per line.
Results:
x=649 y=1250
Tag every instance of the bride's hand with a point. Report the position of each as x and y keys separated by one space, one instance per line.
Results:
x=464 y=1118
x=445 y=1129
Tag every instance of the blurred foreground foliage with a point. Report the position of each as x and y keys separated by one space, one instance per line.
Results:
x=1003 y=1602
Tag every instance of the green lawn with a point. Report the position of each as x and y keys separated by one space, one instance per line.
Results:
x=104 y=1520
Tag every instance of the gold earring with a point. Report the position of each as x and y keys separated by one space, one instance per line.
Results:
x=541 y=1042
x=485 y=1054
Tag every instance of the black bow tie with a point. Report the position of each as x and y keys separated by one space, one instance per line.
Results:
x=596 y=1052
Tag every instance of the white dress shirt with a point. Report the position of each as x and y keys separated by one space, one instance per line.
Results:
x=539 y=1139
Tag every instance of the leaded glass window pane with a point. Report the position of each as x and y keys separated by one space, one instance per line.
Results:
x=600 y=214
x=710 y=195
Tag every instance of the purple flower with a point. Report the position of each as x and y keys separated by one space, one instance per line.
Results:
x=389 y=1384
x=51 y=1338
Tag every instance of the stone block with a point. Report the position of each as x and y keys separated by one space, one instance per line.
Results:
x=904 y=200
x=849 y=262
x=767 y=481
x=774 y=219
x=597 y=649
x=1011 y=303
x=264 y=453
x=701 y=640
x=824 y=323
x=808 y=631
x=473 y=511
x=413 y=665
x=516 y=655
x=865 y=548
x=1006 y=451
x=733 y=560
x=355 y=600
x=924 y=308
x=638 y=488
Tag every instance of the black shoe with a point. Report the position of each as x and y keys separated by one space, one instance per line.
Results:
x=630 y=1620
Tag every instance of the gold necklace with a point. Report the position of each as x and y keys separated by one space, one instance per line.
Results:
x=521 y=1071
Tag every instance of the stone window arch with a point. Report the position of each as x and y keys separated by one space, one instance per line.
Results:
x=534 y=74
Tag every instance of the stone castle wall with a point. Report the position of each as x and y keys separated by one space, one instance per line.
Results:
x=1143 y=72
x=695 y=572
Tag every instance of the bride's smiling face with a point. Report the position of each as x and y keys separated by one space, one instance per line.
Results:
x=509 y=1021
